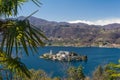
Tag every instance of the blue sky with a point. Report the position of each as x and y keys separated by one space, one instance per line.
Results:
x=71 y=10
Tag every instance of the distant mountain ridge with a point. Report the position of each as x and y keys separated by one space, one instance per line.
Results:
x=78 y=34
x=39 y=21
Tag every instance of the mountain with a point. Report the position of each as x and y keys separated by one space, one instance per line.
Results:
x=112 y=26
x=78 y=34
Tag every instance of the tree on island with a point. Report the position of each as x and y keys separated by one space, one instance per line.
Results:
x=16 y=34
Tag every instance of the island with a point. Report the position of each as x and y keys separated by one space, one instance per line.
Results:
x=64 y=56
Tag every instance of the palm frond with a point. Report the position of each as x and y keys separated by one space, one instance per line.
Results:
x=21 y=33
x=14 y=65
x=10 y=7
x=37 y=2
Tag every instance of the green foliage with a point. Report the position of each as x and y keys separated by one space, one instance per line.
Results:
x=110 y=72
x=1 y=77
x=20 y=33
x=76 y=73
x=100 y=74
x=13 y=64
x=10 y=7
x=56 y=78
x=16 y=33
x=37 y=75
x=113 y=70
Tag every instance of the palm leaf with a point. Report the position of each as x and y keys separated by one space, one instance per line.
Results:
x=21 y=33
x=13 y=64
x=10 y=7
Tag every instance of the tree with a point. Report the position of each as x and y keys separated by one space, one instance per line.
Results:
x=76 y=73
x=100 y=74
x=16 y=33
x=36 y=75
x=110 y=71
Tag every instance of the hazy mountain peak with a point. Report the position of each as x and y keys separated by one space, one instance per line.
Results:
x=97 y=22
x=112 y=23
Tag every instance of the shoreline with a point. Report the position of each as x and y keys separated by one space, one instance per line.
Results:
x=83 y=46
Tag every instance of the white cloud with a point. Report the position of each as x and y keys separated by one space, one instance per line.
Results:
x=97 y=22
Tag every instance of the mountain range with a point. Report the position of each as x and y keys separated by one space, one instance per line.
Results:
x=78 y=34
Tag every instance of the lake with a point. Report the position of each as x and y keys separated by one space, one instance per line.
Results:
x=96 y=56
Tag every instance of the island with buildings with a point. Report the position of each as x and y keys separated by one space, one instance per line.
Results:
x=64 y=56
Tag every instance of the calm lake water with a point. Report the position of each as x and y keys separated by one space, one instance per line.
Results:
x=96 y=56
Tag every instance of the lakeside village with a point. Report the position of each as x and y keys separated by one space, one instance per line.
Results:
x=64 y=56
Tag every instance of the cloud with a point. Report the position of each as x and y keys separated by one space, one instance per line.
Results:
x=97 y=22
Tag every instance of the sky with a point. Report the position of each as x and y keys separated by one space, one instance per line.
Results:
x=73 y=11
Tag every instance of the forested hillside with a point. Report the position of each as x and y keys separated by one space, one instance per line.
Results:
x=78 y=34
